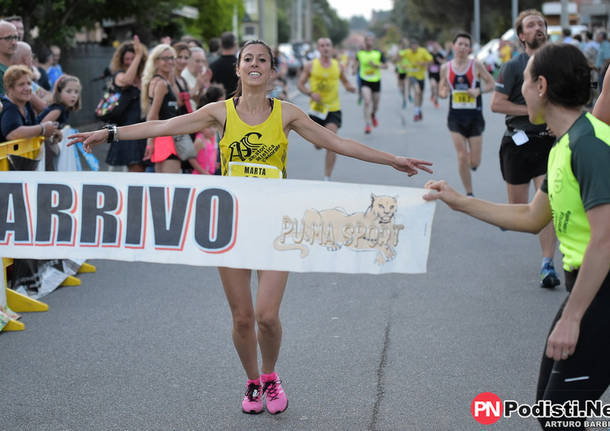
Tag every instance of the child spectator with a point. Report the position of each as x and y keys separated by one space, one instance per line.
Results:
x=66 y=98
x=206 y=140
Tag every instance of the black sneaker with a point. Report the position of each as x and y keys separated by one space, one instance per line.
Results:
x=548 y=276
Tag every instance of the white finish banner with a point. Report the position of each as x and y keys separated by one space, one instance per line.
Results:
x=290 y=225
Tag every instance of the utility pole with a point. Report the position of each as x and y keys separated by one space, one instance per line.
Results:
x=477 y=21
x=515 y=10
x=565 y=16
x=308 y=21
x=299 y=4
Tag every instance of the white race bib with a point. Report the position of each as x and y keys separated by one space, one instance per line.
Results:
x=256 y=170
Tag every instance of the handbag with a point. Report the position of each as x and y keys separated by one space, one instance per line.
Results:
x=185 y=147
x=113 y=103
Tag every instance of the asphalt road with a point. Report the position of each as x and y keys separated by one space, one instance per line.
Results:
x=148 y=347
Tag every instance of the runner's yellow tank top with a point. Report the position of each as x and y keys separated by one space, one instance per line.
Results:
x=254 y=151
x=325 y=81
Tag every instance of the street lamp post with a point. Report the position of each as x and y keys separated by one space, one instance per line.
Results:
x=477 y=21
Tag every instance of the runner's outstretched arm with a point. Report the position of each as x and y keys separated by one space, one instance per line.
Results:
x=211 y=115
x=298 y=121
x=532 y=217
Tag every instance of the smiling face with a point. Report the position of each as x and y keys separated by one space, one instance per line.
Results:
x=166 y=61
x=254 y=67
x=21 y=91
x=182 y=59
x=198 y=63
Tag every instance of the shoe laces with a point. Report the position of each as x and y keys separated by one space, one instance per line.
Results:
x=272 y=389
x=251 y=390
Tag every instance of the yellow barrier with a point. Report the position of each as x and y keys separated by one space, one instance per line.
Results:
x=17 y=302
x=20 y=147
x=25 y=148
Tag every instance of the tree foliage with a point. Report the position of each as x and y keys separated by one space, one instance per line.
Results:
x=325 y=21
x=215 y=17
x=58 y=21
x=425 y=18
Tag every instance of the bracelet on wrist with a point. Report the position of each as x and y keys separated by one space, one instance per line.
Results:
x=42 y=129
x=113 y=133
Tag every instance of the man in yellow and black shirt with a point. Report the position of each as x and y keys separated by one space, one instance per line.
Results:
x=418 y=59
x=323 y=75
x=370 y=63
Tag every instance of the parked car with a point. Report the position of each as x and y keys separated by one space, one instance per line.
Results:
x=293 y=64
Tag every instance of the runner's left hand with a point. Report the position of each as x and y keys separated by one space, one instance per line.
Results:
x=562 y=341
x=411 y=166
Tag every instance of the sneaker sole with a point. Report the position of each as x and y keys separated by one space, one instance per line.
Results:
x=281 y=411
x=252 y=412
x=550 y=282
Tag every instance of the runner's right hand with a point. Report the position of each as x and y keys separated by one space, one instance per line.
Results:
x=89 y=139
x=441 y=190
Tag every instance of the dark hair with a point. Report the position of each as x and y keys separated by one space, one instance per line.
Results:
x=464 y=35
x=118 y=59
x=567 y=73
x=589 y=35
x=188 y=39
x=248 y=43
x=214 y=44
x=42 y=53
x=13 y=18
x=227 y=40
x=181 y=46
x=524 y=14
x=566 y=32
x=212 y=94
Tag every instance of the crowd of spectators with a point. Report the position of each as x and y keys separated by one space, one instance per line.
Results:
x=37 y=96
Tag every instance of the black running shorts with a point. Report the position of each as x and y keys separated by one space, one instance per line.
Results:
x=467 y=125
x=585 y=375
x=331 y=117
x=521 y=163
x=375 y=86
x=434 y=76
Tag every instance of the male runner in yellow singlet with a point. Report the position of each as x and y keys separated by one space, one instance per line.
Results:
x=323 y=75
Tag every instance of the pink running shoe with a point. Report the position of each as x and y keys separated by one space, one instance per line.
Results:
x=275 y=398
x=253 y=399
